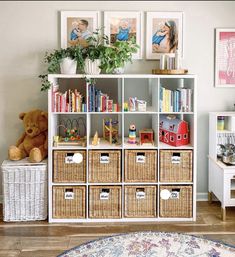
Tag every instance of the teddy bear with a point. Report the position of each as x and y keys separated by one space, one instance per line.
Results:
x=33 y=142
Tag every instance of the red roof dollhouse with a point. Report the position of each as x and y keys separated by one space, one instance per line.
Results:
x=173 y=131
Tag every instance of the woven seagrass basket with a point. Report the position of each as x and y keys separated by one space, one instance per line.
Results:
x=105 y=202
x=104 y=166
x=140 y=201
x=140 y=165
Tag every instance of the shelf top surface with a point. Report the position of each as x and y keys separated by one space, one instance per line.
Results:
x=51 y=76
x=231 y=113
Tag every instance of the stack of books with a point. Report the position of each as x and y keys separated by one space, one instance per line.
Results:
x=69 y=101
x=179 y=100
x=100 y=102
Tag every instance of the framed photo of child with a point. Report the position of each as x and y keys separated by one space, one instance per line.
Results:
x=77 y=26
x=164 y=32
x=123 y=26
x=225 y=57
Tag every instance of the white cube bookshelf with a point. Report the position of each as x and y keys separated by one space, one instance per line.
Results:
x=120 y=88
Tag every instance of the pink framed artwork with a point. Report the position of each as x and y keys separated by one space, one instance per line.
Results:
x=225 y=58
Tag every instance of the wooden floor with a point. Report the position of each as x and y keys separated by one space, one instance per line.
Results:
x=40 y=239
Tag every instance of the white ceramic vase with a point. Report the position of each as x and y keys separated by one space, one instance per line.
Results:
x=119 y=70
x=68 y=66
x=92 y=67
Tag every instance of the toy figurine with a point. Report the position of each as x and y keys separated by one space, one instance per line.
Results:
x=125 y=107
x=132 y=134
x=96 y=139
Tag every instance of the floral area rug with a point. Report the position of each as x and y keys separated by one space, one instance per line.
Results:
x=148 y=244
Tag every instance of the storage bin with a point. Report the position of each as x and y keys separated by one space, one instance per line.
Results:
x=24 y=190
x=140 y=165
x=105 y=202
x=176 y=166
x=69 y=202
x=104 y=166
x=176 y=201
x=140 y=201
x=66 y=169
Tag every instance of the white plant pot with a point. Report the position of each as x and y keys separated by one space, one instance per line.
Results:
x=119 y=70
x=92 y=67
x=68 y=66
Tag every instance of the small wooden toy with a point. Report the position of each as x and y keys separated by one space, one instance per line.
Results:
x=71 y=133
x=173 y=131
x=146 y=136
x=110 y=131
x=96 y=139
x=132 y=134
x=125 y=107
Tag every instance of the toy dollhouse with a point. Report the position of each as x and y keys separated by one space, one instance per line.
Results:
x=173 y=131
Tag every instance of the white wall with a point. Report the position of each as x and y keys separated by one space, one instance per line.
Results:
x=28 y=29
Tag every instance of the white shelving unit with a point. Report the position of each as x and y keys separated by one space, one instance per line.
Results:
x=142 y=86
x=221 y=176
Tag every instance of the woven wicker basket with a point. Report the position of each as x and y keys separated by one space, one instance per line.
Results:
x=67 y=171
x=180 y=203
x=176 y=166
x=105 y=202
x=140 y=201
x=69 y=202
x=24 y=190
x=140 y=165
x=104 y=166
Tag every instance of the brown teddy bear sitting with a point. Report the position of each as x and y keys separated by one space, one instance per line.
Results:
x=33 y=142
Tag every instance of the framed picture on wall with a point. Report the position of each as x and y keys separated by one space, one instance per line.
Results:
x=164 y=34
x=77 y=26
x=123 y=26
x=225 y=57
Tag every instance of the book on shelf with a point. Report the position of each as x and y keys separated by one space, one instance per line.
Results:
x=69 y=101
x=178 y=100
x=99 y=101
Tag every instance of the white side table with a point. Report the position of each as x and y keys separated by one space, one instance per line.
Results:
x=222 y=184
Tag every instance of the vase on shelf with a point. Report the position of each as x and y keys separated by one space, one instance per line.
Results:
x=119 y=70
x=68 y=66
x=92 y=67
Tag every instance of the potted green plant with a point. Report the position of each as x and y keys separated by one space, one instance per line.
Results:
x=65 y=61
x=116 y=56
x=100 y=55
x=93 y=53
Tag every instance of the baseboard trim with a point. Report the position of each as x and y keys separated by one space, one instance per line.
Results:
x=201 y=197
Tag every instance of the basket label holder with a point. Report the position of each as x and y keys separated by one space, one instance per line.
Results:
x=140 y=193
x=140 y=157
x=175 y=158
x=175 y=193
x=69 y=158
x=104 y=195
x=69 y=194
x=104 y=158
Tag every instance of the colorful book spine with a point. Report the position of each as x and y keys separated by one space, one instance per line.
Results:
x=179 y=100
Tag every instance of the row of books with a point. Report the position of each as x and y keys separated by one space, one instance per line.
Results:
x=179 y=100
x=99 y=101
x=69 y=101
